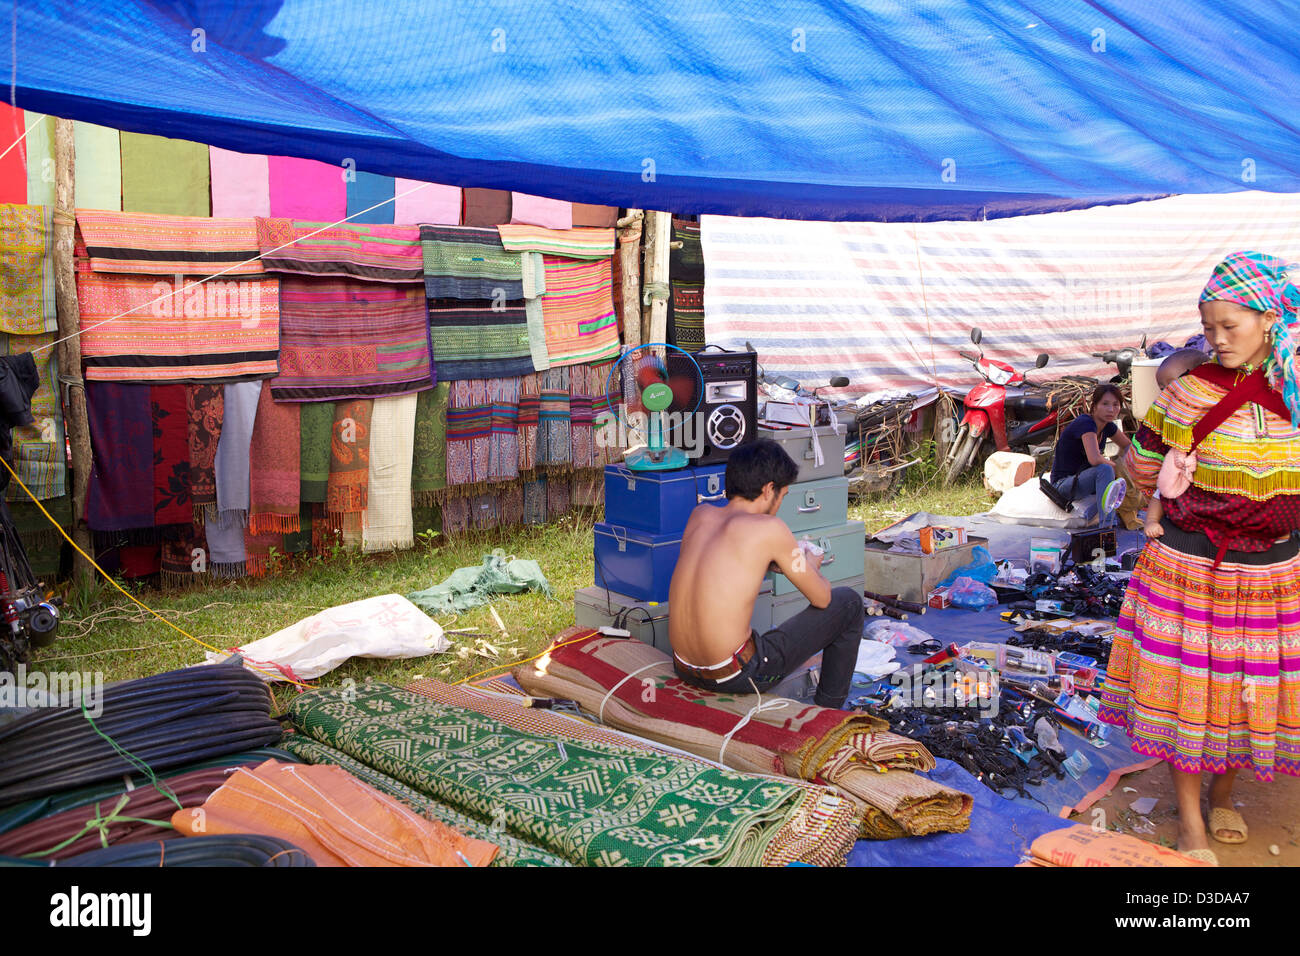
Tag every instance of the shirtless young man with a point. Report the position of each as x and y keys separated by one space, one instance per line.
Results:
x=725 y=553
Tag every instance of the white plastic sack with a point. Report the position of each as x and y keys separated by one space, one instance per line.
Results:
x=388 y=626
x=875 y=659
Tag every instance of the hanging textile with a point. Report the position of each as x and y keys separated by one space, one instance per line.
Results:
x=585 y=214
x=469 y=434
x=349 y=460
x=142 y=328
x=226 y=555
x=41 y=539
x=512 y=505
x=582 y=445
x=462 y=262
x=314 y=450
x=388 y=520
x=535 y=501
x=604 y=416
x=241 y=183
x=342 y=338
x=686 y=274
x=121 y=441
x=273 y=467
x=205 y=407
x=239 y=412
x=485 y=511
x=173 y=507
x=138 y=244
x=540 y=211
x=307 y=189
x=486 y=207
x=27 y=270
x=374 y=252
x=40 y=159
x=260 y=550
x=503 y=450
x=455 y=516
x=39 y=448
x=553 y=437
x=367 y=190
x=429 y=454
x=530 y=410
x=578 y=311
x=184 y=558
x=560 y=241
x=98 y=180
x=426 y=202
x=13 y=164
x=295 y=542
x=478 y=338
x=161 y=175
x=559 y=500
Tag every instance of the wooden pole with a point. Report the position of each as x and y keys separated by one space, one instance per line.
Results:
x=629 y=260
x=75 y=420
x=658 y=234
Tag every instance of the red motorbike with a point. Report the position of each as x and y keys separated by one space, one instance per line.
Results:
x=1004 y=410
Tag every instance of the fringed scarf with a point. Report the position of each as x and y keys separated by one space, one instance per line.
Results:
x=485 y=511
x=581 y=416
x=314 y=450
x=226 y=554
x=530 y=410
x=455 y=516
x=535 y=501
x=205 y=405
x=503 y=452
x=349 y=477
x=258 y=550
x=512 y=505
x=231 y=466
x=388 y=522
x=553 y=437
x=173 y=509
x=273 y=467
x=559 y=499
x=604 y=416
x=185 y=559
x=121 y=440
x=429 y=459
x=469 y=435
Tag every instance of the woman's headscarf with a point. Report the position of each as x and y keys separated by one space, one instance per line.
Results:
x=1261 y=283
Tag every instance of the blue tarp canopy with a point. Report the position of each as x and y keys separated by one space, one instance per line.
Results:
x=807 y=109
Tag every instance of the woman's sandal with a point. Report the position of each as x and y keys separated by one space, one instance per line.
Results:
x=1223 y=818
x=1205 y=856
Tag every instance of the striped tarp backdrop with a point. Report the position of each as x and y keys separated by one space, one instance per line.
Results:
x=889 y=304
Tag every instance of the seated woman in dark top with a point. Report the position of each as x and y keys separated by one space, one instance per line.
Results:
x=1079 y=468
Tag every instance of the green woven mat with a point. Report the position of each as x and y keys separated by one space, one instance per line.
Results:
x=593 y=805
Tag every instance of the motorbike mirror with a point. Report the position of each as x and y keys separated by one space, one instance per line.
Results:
x=976 y=335
x=1041 y=360
x=839 y=381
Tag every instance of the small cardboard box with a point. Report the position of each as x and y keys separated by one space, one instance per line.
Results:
x=941 y=598
x=936 y=538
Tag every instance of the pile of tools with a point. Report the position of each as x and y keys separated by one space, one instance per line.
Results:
x=889 y=605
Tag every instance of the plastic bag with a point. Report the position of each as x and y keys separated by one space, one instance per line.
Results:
x=981 y=568
x=972 y=594
x=888 y=631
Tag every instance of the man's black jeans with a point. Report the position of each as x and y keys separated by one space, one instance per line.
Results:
x=835 y=630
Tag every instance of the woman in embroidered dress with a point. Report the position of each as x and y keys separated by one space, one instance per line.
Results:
x=1205 y=669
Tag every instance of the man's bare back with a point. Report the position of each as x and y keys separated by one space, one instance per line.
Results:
x=725 y=553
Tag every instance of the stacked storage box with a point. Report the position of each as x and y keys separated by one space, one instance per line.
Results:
x=816 y=509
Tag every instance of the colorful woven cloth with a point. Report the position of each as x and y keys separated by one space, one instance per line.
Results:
x=314 y=450
x=262 y=551
x=592 y=804
x=821 y=835
x=239 y=413
x=593 y=434
x=464 y=262
x=27 y=270
x=349 y=475
x=469 y=432
x=535 y=502
x=530 y=414
x=511 y=851
x=571 y=243
x=172 y=505
x=559 y=496
x=388 y=520
x=335 y=818
x=343 y=338
x=369 y=251
x=39 y=448
x=273 y=467
x=686 y=262
x=554 y=449
x=141 y=244
x=183 y=560
x=850 y=751
x=578 y=311
x=479 y=338
x=686 y=316
x=1205 y=667
x=121 y=441
x=429 y=455
x=138 y=328
x=205 y=409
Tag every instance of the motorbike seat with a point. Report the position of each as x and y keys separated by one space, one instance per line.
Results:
x=1028 y=401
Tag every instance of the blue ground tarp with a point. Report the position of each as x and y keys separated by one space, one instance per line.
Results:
x=811 y=109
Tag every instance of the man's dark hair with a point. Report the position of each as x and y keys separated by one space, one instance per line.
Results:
x=752 y=466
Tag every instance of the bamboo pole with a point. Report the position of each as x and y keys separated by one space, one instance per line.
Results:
x=75 y=420
x=629 y=259
x=658 y=234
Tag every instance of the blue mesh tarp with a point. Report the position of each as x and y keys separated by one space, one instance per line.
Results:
x=808 y=109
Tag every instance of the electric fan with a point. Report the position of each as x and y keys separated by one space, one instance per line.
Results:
x=654 y=391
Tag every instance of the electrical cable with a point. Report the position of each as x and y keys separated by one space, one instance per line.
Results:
x=236 y=849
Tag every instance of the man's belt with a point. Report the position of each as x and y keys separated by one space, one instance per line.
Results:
x=724 y=671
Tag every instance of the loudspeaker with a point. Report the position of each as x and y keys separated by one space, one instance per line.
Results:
x=727 y=416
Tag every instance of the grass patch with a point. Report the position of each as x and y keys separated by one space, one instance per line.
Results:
x=104 y=632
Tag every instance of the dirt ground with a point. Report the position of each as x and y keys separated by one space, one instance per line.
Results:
x=1271 y=810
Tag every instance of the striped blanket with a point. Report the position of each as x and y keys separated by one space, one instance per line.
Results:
x=474 y=338
x=39 y=447
x=578 y=311
x=465 y=262
x=371 y=251
x=26 y=270
x=482 y=432
x=343 y=338
x=141 y=244
x=573 y=243
x=143 y=329
x=889 y=304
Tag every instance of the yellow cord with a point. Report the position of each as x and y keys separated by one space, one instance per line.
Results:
x=502 y=667
x=128 y=594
